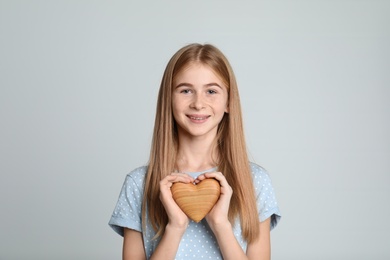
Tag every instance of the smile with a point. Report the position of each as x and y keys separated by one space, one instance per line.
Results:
x=198 y=117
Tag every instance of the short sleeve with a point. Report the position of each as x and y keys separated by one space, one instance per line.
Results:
x=127 y=212
x=265 y=196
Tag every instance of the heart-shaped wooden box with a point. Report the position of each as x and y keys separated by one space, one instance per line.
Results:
x=196 y=200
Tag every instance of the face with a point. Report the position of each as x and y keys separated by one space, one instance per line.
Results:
x=199 y=101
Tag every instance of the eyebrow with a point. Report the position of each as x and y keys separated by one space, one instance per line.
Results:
x=184 y=84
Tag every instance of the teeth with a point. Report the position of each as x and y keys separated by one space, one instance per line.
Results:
x=198 y=118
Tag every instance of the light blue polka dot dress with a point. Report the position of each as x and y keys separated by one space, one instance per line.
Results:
x=198 y=242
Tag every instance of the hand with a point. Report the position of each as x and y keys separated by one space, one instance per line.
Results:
x=219 y=213
x=176 y=217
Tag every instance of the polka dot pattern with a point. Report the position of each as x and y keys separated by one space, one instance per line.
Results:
x=198 y=242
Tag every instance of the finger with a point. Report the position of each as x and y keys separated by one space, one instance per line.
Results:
x=225 y=187
x=210 y=175
x=216 y=175
x=181 y=174
x=172 y=178
x=200 y=177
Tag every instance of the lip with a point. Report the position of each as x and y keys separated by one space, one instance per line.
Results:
x=198 y=118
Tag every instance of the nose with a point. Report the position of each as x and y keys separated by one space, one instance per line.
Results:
x=197 y=102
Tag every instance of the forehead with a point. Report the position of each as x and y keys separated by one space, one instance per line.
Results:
x=197 y=71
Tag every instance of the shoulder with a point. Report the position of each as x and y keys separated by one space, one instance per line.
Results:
x=139 y=172
x=265 y=195
x=257 y=170
x=137 y=175
x=260 y=176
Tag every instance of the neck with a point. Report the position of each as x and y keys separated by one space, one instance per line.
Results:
x=196 y=154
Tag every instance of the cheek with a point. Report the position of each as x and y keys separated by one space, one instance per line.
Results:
x=224 y=106
x=177 y=107
x=174 y=111
x=222 y=109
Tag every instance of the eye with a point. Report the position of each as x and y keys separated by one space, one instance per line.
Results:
x=211 y=91
x=186 y=91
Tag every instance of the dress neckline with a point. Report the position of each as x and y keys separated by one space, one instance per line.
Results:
x=196 y=174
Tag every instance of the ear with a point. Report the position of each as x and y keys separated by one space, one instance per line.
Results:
x=227 y=110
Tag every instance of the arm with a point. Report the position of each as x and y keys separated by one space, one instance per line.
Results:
x=222 y=229
x=259 y=249
x=169 y=243
x=177 y=220
x=219 y=223
x=133 y=248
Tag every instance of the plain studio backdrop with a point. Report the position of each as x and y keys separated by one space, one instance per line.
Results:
x=79 y=83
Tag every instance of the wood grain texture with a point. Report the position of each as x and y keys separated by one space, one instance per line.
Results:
x=196 y=200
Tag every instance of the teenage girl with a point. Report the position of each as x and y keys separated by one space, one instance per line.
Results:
x=198 y=134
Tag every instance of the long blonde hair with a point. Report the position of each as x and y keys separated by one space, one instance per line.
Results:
x=233 y=158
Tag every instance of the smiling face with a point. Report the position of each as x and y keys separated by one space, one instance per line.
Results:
x=199 y=101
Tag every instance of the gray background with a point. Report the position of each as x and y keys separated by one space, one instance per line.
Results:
x=79 y=81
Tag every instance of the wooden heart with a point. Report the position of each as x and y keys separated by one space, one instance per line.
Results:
x=196 y=200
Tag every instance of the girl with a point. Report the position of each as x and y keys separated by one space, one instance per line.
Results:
x=198 y=134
